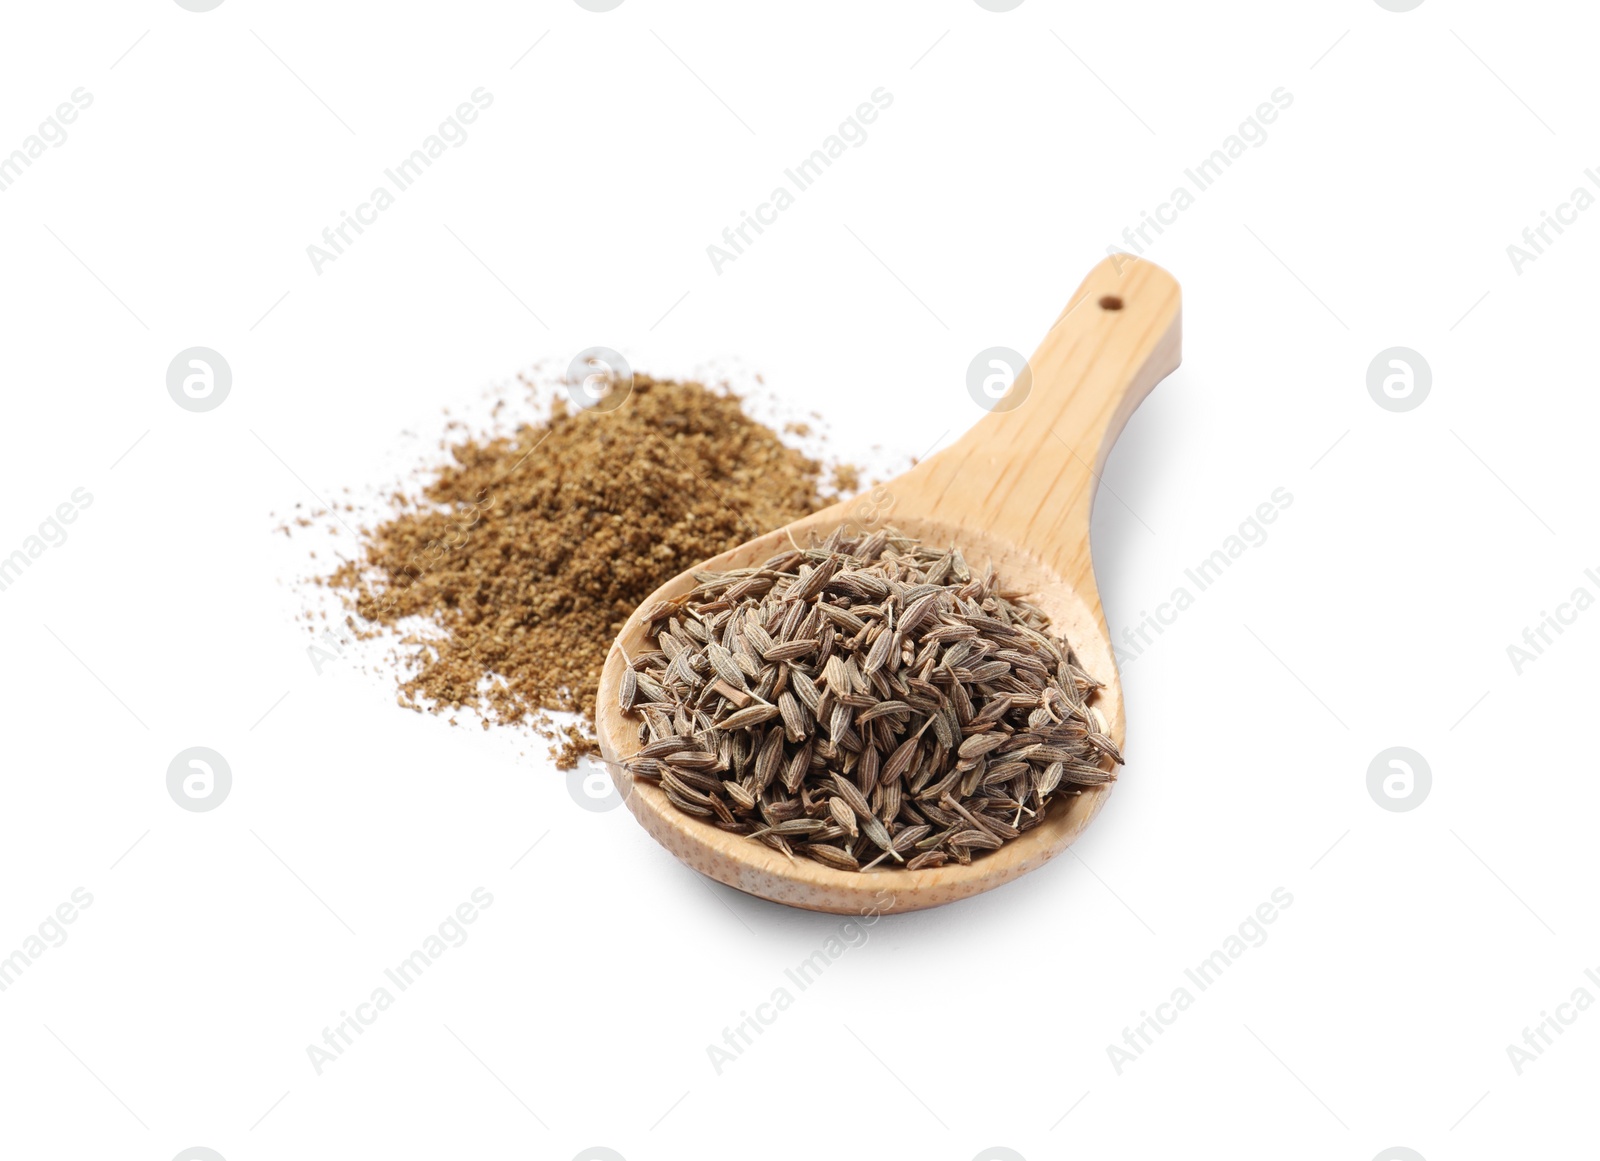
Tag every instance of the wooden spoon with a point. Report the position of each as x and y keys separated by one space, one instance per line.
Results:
x=1015 y=490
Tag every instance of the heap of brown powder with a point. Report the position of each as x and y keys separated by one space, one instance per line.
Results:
x=528 y=552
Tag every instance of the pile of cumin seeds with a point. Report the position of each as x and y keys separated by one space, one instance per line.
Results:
x=526 y=552
x=865 y=702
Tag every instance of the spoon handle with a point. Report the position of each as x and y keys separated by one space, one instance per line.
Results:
x=1028 y=470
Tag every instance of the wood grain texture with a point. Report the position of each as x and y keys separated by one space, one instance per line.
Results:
x=1017 y=491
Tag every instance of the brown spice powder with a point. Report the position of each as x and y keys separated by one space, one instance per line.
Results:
x=528 y=552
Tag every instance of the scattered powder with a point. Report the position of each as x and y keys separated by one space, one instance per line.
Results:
x=527 y=552
x=846 y=479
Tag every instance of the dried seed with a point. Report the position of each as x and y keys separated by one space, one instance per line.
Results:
x=975 y=838
x=671 y=744
x=726 y=667
x=980 y=744
x=794 y=719
x=900 y=759
x=832 y=856
x=769 y=760
x=844 y=816
x=790 y=650
x=810 y=696
x=875 y=831
x=753 y=716
x=882 y=709
x=811 y=581
x=836 y=676
x=851 y=794
x=843 y=618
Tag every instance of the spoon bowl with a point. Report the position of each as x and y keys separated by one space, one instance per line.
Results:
x=1015 y=491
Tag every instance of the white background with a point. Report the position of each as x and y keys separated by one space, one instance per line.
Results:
x=1377 y=613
